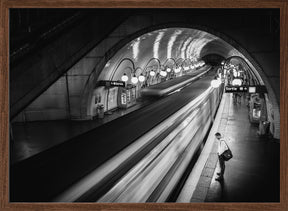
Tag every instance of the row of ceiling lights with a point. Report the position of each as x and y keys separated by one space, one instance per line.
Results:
x=141 y=78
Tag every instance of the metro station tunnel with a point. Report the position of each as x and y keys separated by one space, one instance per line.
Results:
x=122 y=105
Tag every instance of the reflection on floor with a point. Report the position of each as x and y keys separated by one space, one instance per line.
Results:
x=33 y=137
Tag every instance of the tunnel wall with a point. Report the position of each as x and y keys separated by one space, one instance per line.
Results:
x=53 y=54
x=91 y=64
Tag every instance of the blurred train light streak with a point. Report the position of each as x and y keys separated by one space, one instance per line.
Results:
x=140 y=181
x=191 y=183
x=100 y=174
x=150 y=91
x=185 y=158
x=177 y=90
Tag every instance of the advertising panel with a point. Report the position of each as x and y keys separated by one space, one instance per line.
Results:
x=112 y=98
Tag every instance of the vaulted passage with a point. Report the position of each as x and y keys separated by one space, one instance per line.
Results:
x=123 y=105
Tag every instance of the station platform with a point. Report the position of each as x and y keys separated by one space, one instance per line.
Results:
x=31 y=138
x=252 y=175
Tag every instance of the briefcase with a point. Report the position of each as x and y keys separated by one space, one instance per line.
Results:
x=227 y=155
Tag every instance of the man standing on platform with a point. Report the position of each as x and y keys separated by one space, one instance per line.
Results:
x=222 y=146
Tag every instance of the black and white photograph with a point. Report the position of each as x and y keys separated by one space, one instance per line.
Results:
x=144 y=105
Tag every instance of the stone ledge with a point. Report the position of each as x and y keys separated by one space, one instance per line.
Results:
x=200 y=193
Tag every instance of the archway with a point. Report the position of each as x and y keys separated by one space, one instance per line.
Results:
x=207 y=42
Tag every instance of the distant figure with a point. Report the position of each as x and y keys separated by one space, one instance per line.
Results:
x=239 y=96
x=222 y=147
x=236 y=98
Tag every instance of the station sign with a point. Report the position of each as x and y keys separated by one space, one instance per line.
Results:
x=231 y=89
x=107 y=83
x=248 y=89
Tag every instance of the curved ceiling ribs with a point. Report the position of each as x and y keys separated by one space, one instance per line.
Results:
x=184 y=45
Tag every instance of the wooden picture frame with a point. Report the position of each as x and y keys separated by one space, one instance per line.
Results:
x=5 y=5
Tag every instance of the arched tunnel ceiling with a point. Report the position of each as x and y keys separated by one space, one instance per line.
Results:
x=163 y=44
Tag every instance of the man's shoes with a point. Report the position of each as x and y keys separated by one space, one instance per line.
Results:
x=219 y=179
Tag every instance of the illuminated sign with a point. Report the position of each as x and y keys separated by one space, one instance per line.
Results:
x=117 y=83
x=112 y=83
x=249 y=89
x=123 y=98
x=230 y=89
x=252 y=89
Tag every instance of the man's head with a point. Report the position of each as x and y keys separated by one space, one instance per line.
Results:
x=218 y=135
